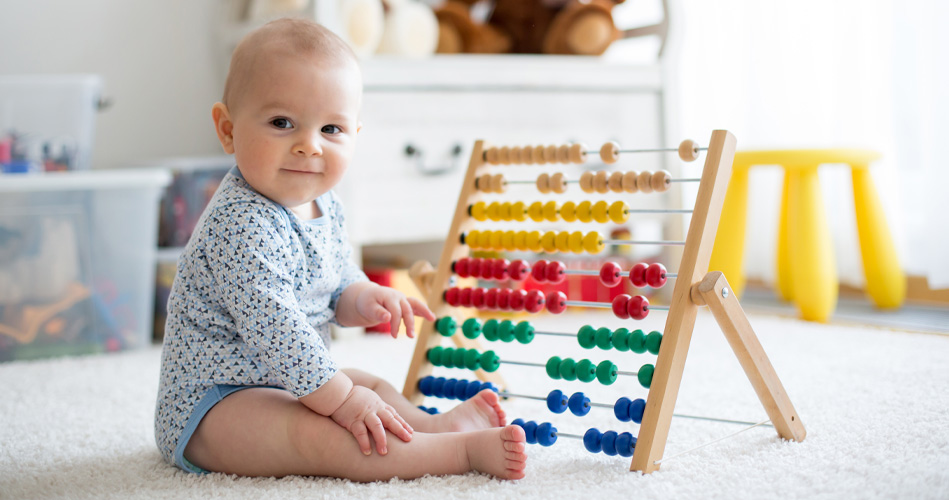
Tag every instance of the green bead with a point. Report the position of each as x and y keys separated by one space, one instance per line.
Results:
x=586 y=371
x=471 y=328
x=568 y=369
x=506 y=331
x=490 y=330
x=472 y=359
x=586 y=336
x=524 y=332
x=448 y=354
x=604 y=338
x=435 y=355
x=606 y=372
x=446 y=326
x=553 y=367
x=637 y=342
x=490 y=361
x=645 y=375
x=621 y=339
x=458 y=358
x=653 y=340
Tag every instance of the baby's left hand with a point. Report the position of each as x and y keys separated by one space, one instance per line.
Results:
x=383 y=304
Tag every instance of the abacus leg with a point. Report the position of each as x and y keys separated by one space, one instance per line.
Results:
x=742 y=339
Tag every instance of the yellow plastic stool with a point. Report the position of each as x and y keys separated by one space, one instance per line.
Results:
x=806 y=270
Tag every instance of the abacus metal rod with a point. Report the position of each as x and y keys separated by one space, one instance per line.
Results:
x=541 y=365
x=655 y=150
x=591 y=272
x=577 y=181
x=658 y=211
x=636 y=242
x=607 y=305
x=568 y=435
x=556 y=334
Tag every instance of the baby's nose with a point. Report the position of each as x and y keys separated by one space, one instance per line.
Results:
x=309 y=145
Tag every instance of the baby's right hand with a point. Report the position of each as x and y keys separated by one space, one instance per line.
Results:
x=364 y=412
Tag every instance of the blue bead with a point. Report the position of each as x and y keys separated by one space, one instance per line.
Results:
x=488 y=385
x=448 y=390
x=546 y=434
x=592 y=440
x=518 y=422
x=461 y=389
x=556 y=401
x=636 y=410
x=474 y=387
x=579 y=404
x=621 y=409
x=433 y=411
x=609 y=443
x=438 y=387
x=425 y=385
x=530 y=428
x=625 y=444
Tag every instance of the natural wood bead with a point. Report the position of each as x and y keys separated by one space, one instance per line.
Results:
x=609 y=153
x=498 y=184
x=491 y=156
x=550 y=154
x=688 y=150
x=558 y=183
x=643 y=182
x=586 y=182
x=661 y=181
x=600 y=182
x=504 y=155
x=578 y=153
x=527 y=155
x=629 y=181
x=484 y=183
x=616 y=182
x=563 y=154
x=539 y=155
x=516 y=155
x=543 y=183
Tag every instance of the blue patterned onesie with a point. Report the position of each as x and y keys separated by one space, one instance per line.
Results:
x=251 y=304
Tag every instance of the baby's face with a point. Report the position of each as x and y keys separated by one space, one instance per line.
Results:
x=295 y=127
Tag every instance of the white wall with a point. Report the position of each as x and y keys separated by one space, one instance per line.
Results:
x=157 y=58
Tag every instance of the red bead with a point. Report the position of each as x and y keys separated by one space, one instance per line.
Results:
x=518 y=270
x=464 y=297
x=556 y=272
x=534 y=301
x=539 y=271
x=621 y=305
x=504 y=299
x=477 y=298
x=557 y=302
x=656 y=275
x=500 y=269
x=611 y=274
x=518 y=299
x=637 y=275
x=491 y=298
x=638 y=307
x=474 y=267
x=461 y=267
x=451 y=296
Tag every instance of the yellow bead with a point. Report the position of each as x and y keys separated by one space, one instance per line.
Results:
x=592 y=243
x=618 y=212
x=599 y=211
x=504 y=211
x=473 y=238
x=584 y=211
x=533 y=241
x=496 y=240
x=520 y=241
x=536 y=211
x=478 y=212
x=575 y=241
x=518 y=211
x=493 y=211
x=484 y=242
x=507 y=241
x=550 y=211
x=563 y=241
x=568 y=211
x=549 y=241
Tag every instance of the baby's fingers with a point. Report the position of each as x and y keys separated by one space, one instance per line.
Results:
x=378 y=431
x=419 y=308
x=358 y=429
x=398 y=426
x=408 y=318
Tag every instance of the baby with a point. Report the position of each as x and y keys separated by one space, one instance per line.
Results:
x=247 y=383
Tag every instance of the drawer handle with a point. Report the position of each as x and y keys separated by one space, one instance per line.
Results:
x=419 y=156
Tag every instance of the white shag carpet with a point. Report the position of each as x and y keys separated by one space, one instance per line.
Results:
x=875 y=404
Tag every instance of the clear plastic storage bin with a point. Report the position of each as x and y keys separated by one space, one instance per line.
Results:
x=77 y=261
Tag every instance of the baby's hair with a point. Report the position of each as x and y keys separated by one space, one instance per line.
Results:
x=289 y=36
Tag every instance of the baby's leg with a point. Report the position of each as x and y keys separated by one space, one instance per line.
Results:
x=483 y=411
x=267 y=432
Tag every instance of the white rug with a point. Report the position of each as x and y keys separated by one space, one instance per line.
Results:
x=875 y=404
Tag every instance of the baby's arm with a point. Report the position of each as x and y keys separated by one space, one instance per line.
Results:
x=368 y=304
x=359 y=410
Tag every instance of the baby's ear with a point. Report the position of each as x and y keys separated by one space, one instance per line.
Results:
x=358 y=127
x=223 y=126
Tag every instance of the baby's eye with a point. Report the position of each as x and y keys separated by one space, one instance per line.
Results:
x=281 y=123
x=331 y=129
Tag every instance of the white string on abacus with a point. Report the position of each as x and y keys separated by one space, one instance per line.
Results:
x=666 y=459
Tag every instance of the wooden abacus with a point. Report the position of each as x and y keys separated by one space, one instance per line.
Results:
x=694 y=287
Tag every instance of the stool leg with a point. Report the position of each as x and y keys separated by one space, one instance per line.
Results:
x=728 y=253
x=811 y=252
x=783 y=276
x=886 y=282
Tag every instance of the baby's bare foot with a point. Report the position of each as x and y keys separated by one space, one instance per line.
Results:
x=482 y=411
x=499 y=452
